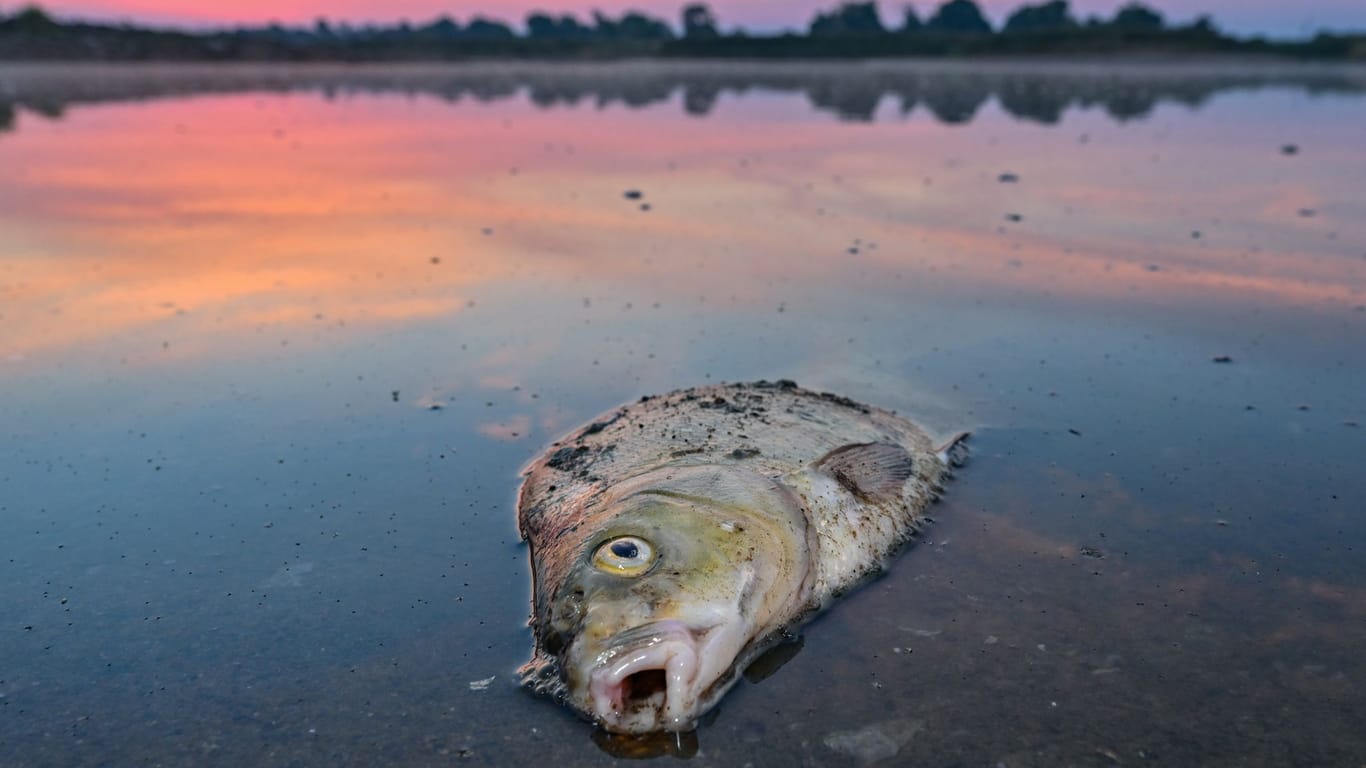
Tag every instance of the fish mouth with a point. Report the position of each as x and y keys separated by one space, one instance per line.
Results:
x=646 y=681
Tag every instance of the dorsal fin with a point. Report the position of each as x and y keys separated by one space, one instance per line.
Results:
x=871 y=471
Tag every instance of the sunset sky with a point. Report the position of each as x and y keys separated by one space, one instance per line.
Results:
x=1271 y=17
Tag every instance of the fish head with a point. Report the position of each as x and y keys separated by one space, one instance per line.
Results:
x=666 y=602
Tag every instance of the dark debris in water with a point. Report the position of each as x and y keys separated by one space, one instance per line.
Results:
x=632 y=194
x=1222 y=359
x=1008 y=178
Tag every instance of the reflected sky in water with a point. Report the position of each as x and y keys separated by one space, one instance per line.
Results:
x=275 y=343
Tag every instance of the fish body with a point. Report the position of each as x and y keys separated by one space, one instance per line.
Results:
x=676 y=539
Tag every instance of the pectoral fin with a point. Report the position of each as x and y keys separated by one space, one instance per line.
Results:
x=874 y=472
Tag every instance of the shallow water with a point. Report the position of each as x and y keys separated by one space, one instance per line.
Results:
x=275 y=343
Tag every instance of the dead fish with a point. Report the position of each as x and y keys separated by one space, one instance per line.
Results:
x=674 y=540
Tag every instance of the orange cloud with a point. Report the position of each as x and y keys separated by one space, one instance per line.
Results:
x=515 y=428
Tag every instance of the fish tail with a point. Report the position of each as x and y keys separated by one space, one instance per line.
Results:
x=954 y=451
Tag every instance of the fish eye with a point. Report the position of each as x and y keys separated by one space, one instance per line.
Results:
x=624 y=556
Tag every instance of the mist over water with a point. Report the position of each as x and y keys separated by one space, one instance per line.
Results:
x=274 y=344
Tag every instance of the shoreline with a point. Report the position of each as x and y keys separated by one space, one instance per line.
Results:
x=1213 y=64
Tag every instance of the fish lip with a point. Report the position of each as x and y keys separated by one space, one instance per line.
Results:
x=669 y=646
x=650 y=633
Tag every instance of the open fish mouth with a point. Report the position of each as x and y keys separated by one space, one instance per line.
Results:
x=647 y=680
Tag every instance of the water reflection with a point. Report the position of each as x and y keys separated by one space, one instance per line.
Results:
x=644 y=747
x=950 y=92
x=291 y=207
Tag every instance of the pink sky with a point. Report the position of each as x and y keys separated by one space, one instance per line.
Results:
x=1274 y=17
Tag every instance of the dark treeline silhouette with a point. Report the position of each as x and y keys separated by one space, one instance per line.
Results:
x=850 y=30
x=949 y=92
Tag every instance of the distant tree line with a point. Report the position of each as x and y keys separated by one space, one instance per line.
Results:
x=965 y=17
x=850 y=30
x=696 y=21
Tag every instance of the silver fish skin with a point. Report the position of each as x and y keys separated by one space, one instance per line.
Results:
x=675 y=539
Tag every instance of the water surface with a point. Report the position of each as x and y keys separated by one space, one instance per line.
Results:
x=274 y=344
